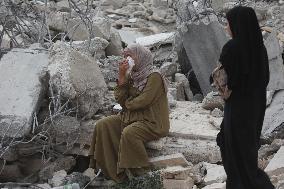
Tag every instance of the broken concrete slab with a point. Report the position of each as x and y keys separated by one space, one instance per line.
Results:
x=215 y=174
x=276 y=66
x=129 y=36
x=276 y=165
x=274 y=114
x=216 y=186
x=189 y=120
x=156 y=39
x=176 y=172
x=169 y=160
x=203 y=44
x=21 y=71
x=178 y=184
x=77 y=78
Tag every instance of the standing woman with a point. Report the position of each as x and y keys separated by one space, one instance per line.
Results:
x=245 y=61
x=118 y=141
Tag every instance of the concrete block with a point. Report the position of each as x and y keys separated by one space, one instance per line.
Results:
x=169 y=160
x=21 y=89
x=276 y=165
x=178 y=184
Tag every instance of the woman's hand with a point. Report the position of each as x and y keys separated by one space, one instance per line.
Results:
x=123 y=67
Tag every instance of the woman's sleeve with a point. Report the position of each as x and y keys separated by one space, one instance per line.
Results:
x=229 y=59
x=121 y=93
x=145 y=99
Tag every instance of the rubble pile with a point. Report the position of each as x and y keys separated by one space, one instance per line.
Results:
x=53 y=91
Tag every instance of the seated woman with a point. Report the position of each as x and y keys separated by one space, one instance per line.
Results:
x=118 y=141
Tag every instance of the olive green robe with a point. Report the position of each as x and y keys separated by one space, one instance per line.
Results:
x=118 y=140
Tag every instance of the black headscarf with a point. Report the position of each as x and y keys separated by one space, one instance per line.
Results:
x=246 y=49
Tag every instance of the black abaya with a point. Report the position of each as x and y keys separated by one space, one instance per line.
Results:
x=239 y=138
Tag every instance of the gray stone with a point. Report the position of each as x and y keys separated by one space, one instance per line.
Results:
x=58 y=178
x=65 y=163
x=190 y=121
x=109 y=68
x=169 y=68
x=172 y=97
x=21 y=71
x=44 y=186
x=269 y=97
x=180 y=78
x=213 y=100
x=115 y=45
x=276 y=66
x=218 y=5
x=95 y=47
x=77 y=78
x=274 y=114
x=156 y=144
x=217 y=113
x=78 y=31
x=10 y=173
x=215 y=174
x=77 y=177
x=276 y=165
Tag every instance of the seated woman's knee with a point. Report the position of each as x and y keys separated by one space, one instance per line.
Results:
x=128 y=132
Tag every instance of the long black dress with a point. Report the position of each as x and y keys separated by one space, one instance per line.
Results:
x=246 y=63
x=241 y=128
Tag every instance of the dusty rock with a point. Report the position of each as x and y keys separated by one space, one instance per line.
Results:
x=172 y=97
x=274 y=115
x=215 y=174
x=169 y=160
x=169 y=68
x=180 y=92
x=177 y=172
x=10 y=173
x=109 y=68
x=164 y=54
x=10 y=155
x=57 y=179
x=212 y=101
x=267 y=150
x=269 y=97
x=157 y=39
x=189 y=120
x=115 y=45
x=115 y=4
x=65 y=163
x=21 y=71
x=64 y=129
x=100 y=28
x=6 y=41
x=276 y=66
x=44 y=186
x=77 y=78
x=217 y=113
x=194 y=151
x=156 y=144
x=90 y=173
x=76 y=177
x=276 y=165
x=178 y=184
x=180 y=78
x=216 y=186
x=93 y=48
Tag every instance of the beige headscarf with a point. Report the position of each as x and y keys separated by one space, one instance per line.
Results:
x=143 y=66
